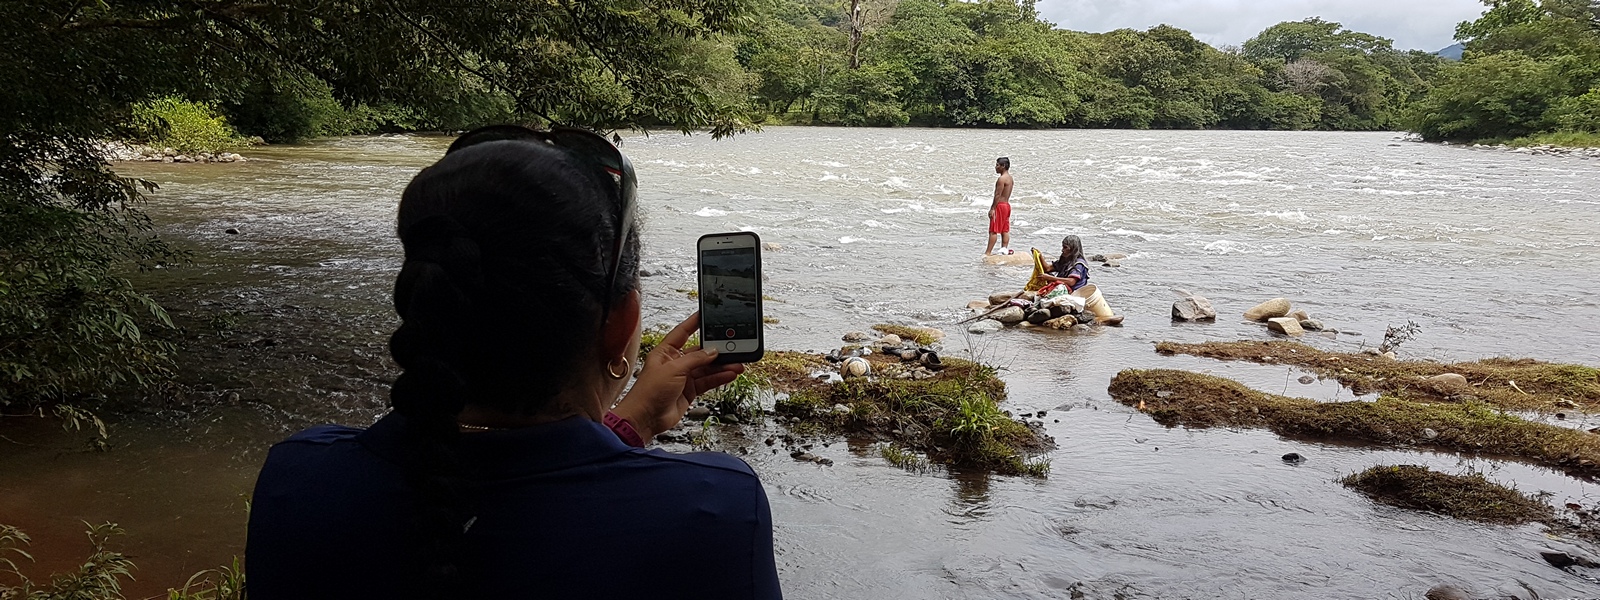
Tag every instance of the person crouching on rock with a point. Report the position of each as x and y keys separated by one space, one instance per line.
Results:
x=1071 y=271
x=503 y=469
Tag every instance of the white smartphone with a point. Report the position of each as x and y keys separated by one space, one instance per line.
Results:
x=730 y=296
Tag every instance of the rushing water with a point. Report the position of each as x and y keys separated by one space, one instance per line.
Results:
x=1492 y=253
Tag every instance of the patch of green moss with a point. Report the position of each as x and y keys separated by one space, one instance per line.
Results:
x=920 y=335
x=1520 y=384
x=952 y=417
x=1471 y=497
x=1195 y=400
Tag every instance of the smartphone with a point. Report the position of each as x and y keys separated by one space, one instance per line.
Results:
x=730 y=296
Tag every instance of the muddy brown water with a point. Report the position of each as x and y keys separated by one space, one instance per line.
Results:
x=1492 y=253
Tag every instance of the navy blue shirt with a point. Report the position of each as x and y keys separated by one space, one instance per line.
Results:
x=564 y=510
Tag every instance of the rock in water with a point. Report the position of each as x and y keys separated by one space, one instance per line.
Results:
x=1009 y=315
x=1447 y=592
x=1276 y=307
x=1307 y=380
x=1038 y=317
x=1067 y=322
x=1000 y=297
x=1293 y=458
x=698 y=413
x=985 y=326
x=855 y=366
x=1300 y=315
x=1193 y=308
x=1285 y=325
x=979 y=304
x=1311 y=325
x=856 y=336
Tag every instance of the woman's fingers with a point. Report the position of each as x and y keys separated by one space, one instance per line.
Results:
x=680 y=334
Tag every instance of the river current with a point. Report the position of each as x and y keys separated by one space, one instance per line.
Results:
x=1492 y=253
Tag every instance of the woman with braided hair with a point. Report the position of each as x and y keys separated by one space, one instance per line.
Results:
x=507 y=467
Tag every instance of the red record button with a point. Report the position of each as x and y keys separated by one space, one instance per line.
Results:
x=730 y=332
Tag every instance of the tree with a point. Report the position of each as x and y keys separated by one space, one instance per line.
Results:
x=1291 y=40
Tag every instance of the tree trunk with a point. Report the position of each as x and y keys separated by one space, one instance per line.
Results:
x=855 y=34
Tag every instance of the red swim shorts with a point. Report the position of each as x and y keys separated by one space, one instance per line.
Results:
x=1001 y=223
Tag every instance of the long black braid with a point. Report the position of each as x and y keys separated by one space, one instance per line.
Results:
x=507 y=247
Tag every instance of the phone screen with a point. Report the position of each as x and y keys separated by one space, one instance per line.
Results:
x=730 y=296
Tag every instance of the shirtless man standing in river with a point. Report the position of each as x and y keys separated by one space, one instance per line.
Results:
x=1000 y=210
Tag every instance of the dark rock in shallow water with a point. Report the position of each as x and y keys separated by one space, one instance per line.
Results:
x=698 y=413
x=231 y=231
x=1293 y=457
x=1447 y=592
x=1038 y=317
x=1562 y=560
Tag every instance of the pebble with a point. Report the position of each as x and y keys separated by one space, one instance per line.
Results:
x=1307 y=379
x=840 y=409
x=855 y=366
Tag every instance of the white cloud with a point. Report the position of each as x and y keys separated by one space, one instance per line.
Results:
x=1412 y=24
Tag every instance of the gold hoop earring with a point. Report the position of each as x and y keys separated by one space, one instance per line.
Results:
x=611 y=369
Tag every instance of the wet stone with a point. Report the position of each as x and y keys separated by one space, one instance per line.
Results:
x=1293 y=458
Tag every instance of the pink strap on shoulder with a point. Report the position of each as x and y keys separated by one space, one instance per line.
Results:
x=623 y=429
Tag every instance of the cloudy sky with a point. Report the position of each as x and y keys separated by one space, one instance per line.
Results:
x=1412 y=24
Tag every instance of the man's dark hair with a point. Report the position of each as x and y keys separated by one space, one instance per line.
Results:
x=1003 y=162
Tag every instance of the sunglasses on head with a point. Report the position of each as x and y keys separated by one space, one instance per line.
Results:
x=586 y=145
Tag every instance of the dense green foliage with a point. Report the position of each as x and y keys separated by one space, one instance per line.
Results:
x=71 y=325
x=996 y=63
x=1531 y=67
x=187 y=127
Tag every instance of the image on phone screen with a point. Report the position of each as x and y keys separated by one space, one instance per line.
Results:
x=730 y=294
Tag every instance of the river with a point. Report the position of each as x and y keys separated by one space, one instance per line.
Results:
x=1492 y=253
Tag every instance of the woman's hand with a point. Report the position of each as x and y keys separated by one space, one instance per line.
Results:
x=673 y=376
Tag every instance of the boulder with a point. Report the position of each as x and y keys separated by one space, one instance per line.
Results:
x=1450 y=380
x=933 y=334
x=1293 y=458
x=1107 y=257
x=856 y=336
x=1010 y=315
x=1312 y=325
x=979 y=304
x=985 y=326
x=1000 y=297
x=855 y=366
x=1038 y=317
x=890 y=340
x=1111 y=263
x=1193 y=308
x=772 y=247
x=1276 y=307
x=1285 y=325
x=1029 y=296
x=1067 y=322
x=1300 y=315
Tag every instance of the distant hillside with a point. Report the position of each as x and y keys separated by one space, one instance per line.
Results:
x=1453 y=52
